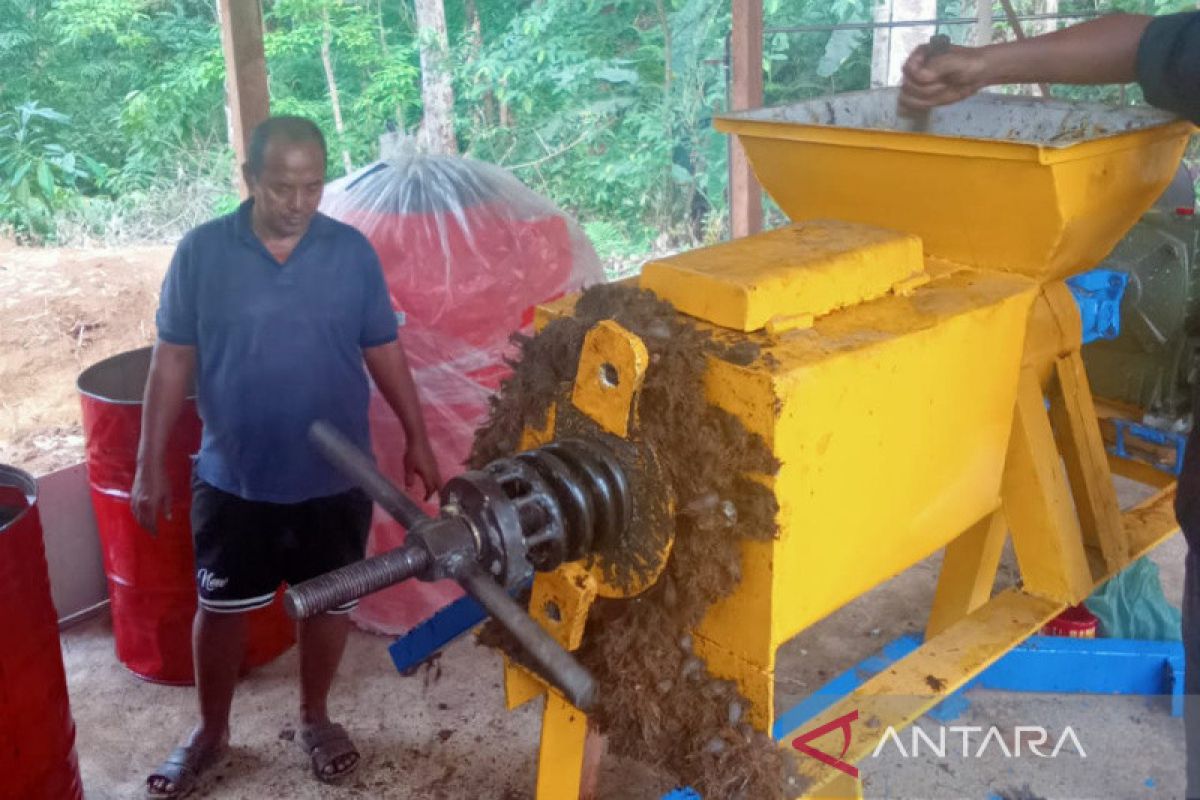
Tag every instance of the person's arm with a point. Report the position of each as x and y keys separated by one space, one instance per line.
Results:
x=171 y=371
x=388 y=367
x=171 y=378
x=1103 y=50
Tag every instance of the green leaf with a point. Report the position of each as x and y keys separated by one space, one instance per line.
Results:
x=20 y=173
x=45 y=179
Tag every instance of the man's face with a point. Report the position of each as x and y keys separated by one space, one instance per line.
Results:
x=287 y=192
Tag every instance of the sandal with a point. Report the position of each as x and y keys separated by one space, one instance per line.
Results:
x=332 y=753
x=176 y=777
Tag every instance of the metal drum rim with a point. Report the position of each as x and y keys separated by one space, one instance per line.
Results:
x=92 y=370
x=18 y=479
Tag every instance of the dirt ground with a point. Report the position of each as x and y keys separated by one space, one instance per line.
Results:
x=60 y=312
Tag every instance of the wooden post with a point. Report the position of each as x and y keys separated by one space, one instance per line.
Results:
x=746 y=45
x=247 y=95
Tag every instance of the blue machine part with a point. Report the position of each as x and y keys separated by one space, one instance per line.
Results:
x=413 y=648
x=1098 y=294
x=1126 y=429
x=1047 y=664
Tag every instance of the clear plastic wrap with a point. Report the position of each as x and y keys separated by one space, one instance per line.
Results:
x=468 y=251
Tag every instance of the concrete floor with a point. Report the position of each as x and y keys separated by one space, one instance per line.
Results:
x=449 y=737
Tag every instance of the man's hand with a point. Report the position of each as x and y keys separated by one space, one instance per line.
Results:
x=150 y=497
x=419 y=462
x=389 y=369
x=1101 y=50
x=943 y=79
x=167 y=385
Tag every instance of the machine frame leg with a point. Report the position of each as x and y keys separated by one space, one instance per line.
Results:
x=570 y=753
x=968 y=572
x=1078 y=431
x=1038 y=504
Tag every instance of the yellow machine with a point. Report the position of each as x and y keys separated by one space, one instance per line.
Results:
x=921 y=386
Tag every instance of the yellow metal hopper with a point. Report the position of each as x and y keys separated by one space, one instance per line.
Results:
x=1042 y=188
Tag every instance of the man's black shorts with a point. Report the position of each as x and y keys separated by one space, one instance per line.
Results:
x=246 y=549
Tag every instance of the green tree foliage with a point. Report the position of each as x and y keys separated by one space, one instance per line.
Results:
x=604 y=105
x=40 y=174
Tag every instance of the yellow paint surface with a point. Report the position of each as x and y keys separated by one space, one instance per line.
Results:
x=891 y=419
x=1042 y=211
x=802 y=270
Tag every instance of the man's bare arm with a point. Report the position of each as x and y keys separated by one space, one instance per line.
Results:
x=389 y=369
x=171 y=377
x=1098 y=51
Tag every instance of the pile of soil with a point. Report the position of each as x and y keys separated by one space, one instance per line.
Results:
x=61 y=311
x=658 y=703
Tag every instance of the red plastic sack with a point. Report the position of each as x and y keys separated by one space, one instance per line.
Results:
x=468 y=252
x=37 y=734
x=151 y=578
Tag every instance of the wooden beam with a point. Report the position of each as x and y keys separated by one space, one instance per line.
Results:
x=746 y=52
x=246 y=91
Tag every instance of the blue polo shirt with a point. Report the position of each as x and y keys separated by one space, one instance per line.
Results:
x=277 y=347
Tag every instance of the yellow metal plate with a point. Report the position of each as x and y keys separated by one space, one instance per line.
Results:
x=612 y=368
x=802 y=270
x=520 y=685
x=561 y=600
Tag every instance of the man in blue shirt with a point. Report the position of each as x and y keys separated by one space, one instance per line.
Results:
x=1163 y=55
x=271 y=313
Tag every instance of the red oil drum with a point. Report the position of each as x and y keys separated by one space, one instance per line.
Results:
x=37 y=734
x=151 y=581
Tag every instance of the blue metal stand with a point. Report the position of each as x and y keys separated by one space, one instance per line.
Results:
x=1043 y=664
x=1126 y=428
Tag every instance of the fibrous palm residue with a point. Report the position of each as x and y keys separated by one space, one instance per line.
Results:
x=658 y=702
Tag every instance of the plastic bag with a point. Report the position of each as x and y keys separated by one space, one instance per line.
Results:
x=468 y=251
x=1132 y=606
